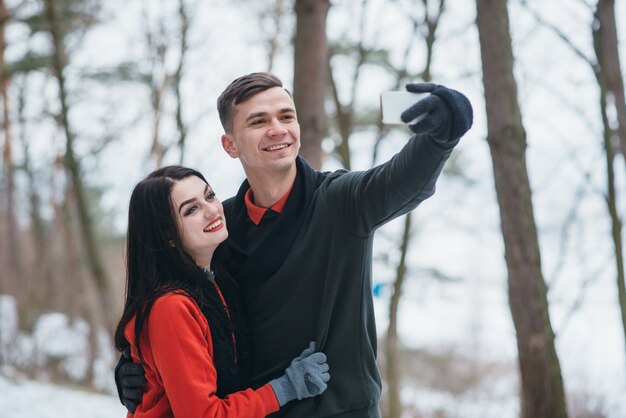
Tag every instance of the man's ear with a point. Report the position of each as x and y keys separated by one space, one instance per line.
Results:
x=229 y=146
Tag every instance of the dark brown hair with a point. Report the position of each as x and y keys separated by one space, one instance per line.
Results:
x=154 y=268
x=240 y=90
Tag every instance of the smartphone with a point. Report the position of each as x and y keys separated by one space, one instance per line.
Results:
x=393 y=103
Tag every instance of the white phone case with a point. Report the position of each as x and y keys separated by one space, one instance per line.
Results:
x=393 y=103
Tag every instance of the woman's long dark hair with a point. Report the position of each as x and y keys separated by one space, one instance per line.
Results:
x=156 y=264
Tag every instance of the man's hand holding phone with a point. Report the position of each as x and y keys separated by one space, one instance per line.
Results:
x=429 y=108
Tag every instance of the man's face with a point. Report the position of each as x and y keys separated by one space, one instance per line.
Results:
x=265 y=134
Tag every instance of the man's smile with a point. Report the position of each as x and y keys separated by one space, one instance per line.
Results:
x=276 y=147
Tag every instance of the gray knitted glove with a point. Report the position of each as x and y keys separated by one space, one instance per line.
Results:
x=449 y=113
x=305 y=377
x=130 y=380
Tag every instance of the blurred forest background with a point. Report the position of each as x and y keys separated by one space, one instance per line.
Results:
x=502 y=296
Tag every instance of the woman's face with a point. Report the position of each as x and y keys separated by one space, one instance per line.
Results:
x=200 y=218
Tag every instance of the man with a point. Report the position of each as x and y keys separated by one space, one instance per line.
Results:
x=300 y=240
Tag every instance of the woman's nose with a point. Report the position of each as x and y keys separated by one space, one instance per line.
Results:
x=211 y=210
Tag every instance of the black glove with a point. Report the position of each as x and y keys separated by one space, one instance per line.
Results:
x=449 y=113
x=130 y=380
x=305 y=377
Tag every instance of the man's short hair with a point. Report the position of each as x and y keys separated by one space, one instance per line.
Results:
x=240 y=90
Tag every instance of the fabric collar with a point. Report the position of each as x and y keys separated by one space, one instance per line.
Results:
x=256 y=212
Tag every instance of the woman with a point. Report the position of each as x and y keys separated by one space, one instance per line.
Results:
x=191 y=343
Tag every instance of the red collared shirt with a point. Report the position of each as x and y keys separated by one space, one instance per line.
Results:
x=255 y=213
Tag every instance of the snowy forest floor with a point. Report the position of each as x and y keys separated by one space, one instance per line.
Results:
x=20 y=398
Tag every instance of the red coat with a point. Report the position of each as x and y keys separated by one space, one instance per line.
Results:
x=178 y=353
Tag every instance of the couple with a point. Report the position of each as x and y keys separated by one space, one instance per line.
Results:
x=219 y=329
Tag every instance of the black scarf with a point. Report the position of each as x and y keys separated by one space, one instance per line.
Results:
x=231 y=362
x=267 y=257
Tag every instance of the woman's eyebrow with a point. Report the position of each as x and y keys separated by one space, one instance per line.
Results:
x=191 y=200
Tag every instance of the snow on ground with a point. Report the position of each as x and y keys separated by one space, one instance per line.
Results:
x=27 y=399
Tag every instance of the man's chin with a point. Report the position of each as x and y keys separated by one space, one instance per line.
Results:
x=286 y=158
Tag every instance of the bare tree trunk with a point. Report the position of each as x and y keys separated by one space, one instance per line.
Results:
x=11 y=240
x=608 y=75
x=158 y=150
x=71 y=272
x=344 y=118
x=543 y=395
x=608 y=56
x=392 y=352
x=73 y=167
x=344 y=114
x=178 y=76
x=34 y=284
x=611 y=201
x=610 y=81
x=157 y=81
x=431 y=25
x=310 y=77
